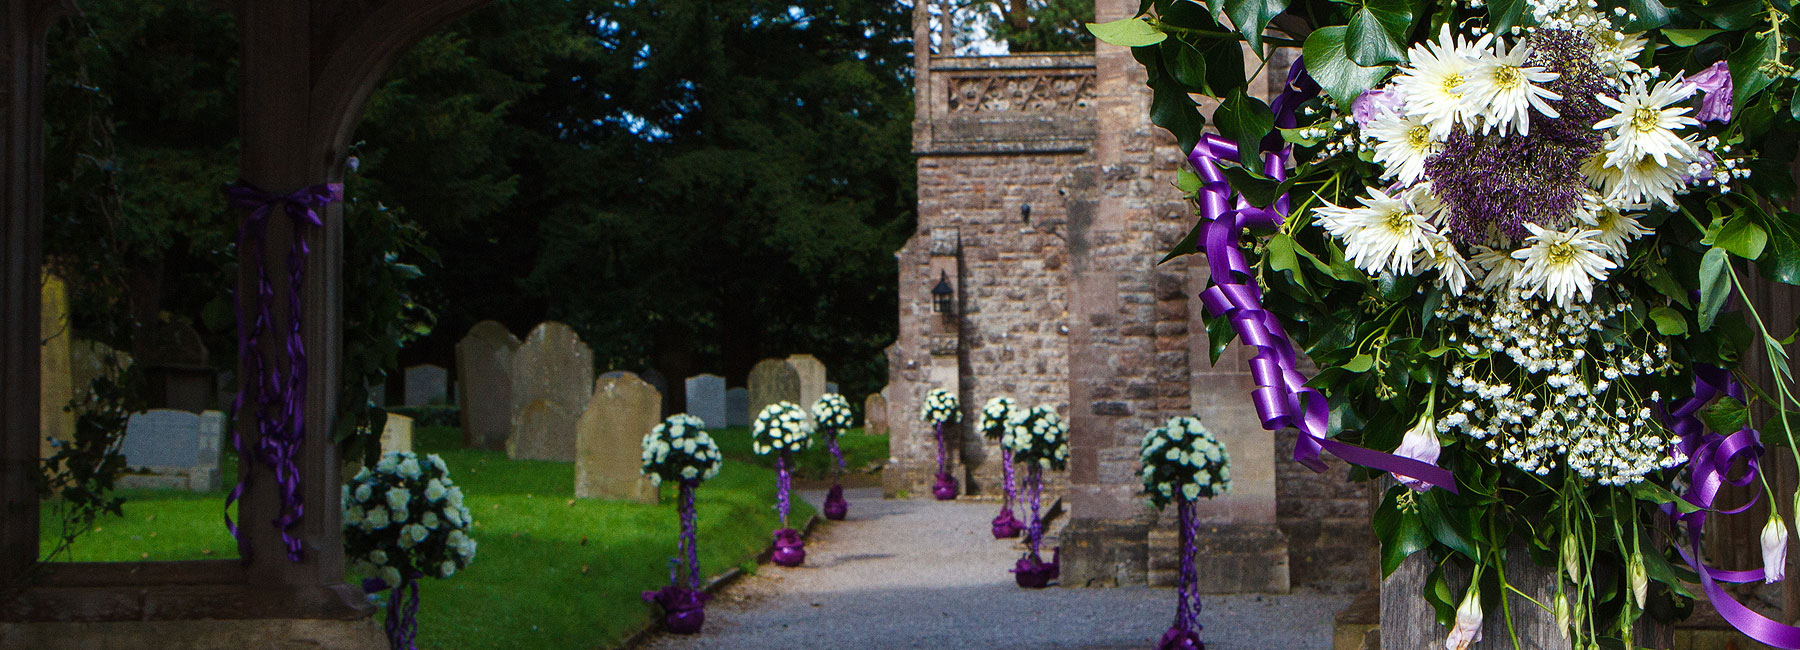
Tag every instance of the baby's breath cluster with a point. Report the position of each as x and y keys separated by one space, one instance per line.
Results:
x=940 y=407
x=406 y=518
x=1182 y=460
x=995 y=414
x=781 y=427
x=679 y=449
x=1038 y=436
x=1537 y=382
x=832 y=411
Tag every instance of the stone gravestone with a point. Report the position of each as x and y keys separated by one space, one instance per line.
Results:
x=552 y=379
x=425 y=385
x=831 y=387
x=54 y=423
x=771 y=381
x=656 y=381
x=875 y=415
x=706 y=399
x=812 y=378
x=397 y=435
x=173 y=449
x=609 y=437
x=88 y=361
x=737 y=407
x=176 y=366
x=484 y=384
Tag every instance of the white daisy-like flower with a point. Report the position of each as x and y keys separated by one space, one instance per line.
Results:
x=1453 y=270
x=1635 y=183
x=1433 y=81
x=1383 y=236
x=1615 y=227
x=1498 y=267
x=1402 y=143
x=1617 y=53
x=1646 y=122
x=1503 y=90
x=1558 y=264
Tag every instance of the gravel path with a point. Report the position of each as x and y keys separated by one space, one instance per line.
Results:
x=924 y=574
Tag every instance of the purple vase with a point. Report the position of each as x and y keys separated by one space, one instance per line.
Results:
x=1178 y=638
x=790 y=549
x=1006 y=525
x=945 y=489
x=1031 y=572
x=835 y=505
x=684 y=610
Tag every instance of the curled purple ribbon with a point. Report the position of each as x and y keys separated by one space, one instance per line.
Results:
x=278 y=400
x=1282 y=398
x=690 y=533
x=1710 y=459
x=1031 y=571
x=1005 y=525
x=402 y=625
x=1185 y=633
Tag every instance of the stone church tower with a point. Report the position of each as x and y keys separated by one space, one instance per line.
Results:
x=1045 y=202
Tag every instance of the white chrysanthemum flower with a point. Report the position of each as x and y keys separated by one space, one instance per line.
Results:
x=1433 y=81
x=1635 y=183
x=409 y=468
x=1646 y=123
x=1383 y=236
x=1615 y=227
x=1453 y=270
x=1498 y=267
x=377 y=519
x=1426 y=202
x=1616 y=53
x=429 y=520
x=390 y=575
x=1402 y=143
x=1503 y=90
x=1558 y=265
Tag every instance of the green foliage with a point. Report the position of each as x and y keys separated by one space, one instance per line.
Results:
x=1033 y=25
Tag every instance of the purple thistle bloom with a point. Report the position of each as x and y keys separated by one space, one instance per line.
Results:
x=1715 y=82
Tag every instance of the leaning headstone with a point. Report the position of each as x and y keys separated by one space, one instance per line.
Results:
x=608 y=438
x=54 y=423
x=875 y=415
x=398 y=434
x=552 y=379
x=771 y=381
x=737 y=408
x=812 y=378
x=656 y=381
x=484 y=384
x=173 y=449
x=706 y=399
x=425 y=385
x=176 y=366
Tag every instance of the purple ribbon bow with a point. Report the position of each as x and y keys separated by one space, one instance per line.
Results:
x=278 y=401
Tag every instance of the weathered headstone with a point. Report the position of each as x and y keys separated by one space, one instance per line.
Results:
x=426 y=384
x=484 y=384
x=552 y=379
x=812 y=378
x=875 y=415
x=656 y=381
x=622 y=409
x=706 y=399
x=831 y=387
x=737 y=407
x=53 y=369
x=173 y=449
x=398 y=434
x=771 y=381
x=176 y=366
x=88 y=360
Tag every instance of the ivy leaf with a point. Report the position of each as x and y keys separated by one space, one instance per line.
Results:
x=1743 y=238
x=1689 y=37
x=1747 y=75
x=1359 y=363
x=1186 y=180
x=1252 y=17
x=1171 y=108
x=1188 y=245
x=1283 y=259
x=1376 y=31
x=1259 y=190
x=1330 y=65
x=1729 y=16
x=1401 y=533
x=1441 y=519
x=1245 y=120
x=1651 y=14
x=1669 y=322
x=1726 y=415
x=1715 y=285
x=1185 y=64
x=1295 y=136
x=1128 y=32
x=1504 y=14
x=1781 y=260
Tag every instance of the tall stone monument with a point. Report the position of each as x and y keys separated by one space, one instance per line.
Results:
x=771 y=381
x=552 y=379
x=621 y=411
x=484 y=384
x=875 y=415
x=812 y=378
x=54 y=368
x=706 y=399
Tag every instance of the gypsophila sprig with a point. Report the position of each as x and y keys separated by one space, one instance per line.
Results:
x=995 y=415
x=781 y=427
x=1182 y=460
x=832 y=411
x=940 y=407
x=1039 y=437
x=679 y=449
x=405 y=518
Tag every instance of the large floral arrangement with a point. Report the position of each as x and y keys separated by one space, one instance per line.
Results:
x=1181 y=462
x=404 y=520
x=941 y=408
x=832 y=414
x=679 y=450
x=1510 y=235
x=996 y=416
x=1039 y=439
x=782 y=429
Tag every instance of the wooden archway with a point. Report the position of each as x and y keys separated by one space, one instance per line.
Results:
x=309 y=66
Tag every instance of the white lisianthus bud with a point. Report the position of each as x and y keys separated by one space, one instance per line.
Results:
x=1639 y=579
x=1571 y=557
x=1562 y=615
x=1774 y=549
x=1467 y=631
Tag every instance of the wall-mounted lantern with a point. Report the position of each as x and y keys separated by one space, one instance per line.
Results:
x=943 y=296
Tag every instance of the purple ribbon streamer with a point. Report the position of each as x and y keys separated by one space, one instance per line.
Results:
x=1282 y=398
x=783 y=483
x=403 y=618
x=1034 y=530
x=690 y=534
x=941 y=453
x=1185 y=633
x=1012 y=492
x=1710 y=459
x=279 y=401
x=831 y=443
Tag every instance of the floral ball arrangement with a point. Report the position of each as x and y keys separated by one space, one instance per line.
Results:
x=1039 y=437
x=832 y=412
x=941 y=407
x=679 y=449
x=405 y=518
x=781 y=427
x=1181 y=459
x=995 y=415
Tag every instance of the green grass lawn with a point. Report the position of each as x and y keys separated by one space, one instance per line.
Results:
x=549 y=573
x=815 y=463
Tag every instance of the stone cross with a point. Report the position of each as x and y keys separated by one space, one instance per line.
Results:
x=426 y=384
x=622 y=410
x=706 y=399
x=552 y=379
x=771 y=381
